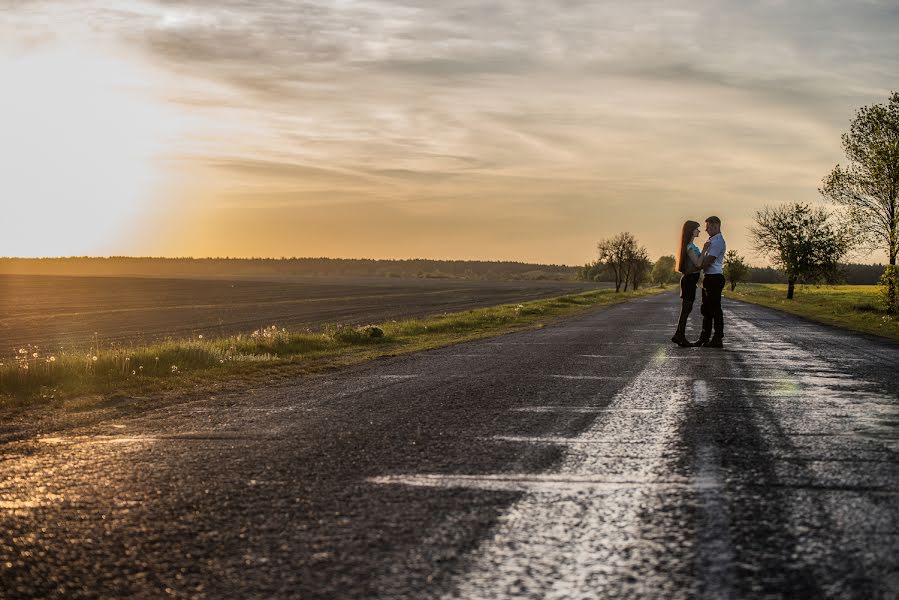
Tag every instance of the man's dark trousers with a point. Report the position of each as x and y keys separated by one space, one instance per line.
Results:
x=712 y=286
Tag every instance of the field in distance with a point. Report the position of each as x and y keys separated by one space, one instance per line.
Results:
x=56 y=312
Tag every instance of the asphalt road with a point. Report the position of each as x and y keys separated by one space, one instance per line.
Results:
x=590 y=459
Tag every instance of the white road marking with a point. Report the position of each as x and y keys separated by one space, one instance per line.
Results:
x=579 y=409
x=599 y=377
x=700 y=392
x=571 y=441
x=538 y=483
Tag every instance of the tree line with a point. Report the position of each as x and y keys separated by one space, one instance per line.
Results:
x=281 y=267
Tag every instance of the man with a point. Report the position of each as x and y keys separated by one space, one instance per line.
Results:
x=712 y=286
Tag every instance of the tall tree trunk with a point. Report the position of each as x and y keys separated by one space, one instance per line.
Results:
x=791 y=284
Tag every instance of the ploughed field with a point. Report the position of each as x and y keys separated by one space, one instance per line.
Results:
x=79 y=312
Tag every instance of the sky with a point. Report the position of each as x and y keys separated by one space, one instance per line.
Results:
x=507 y=130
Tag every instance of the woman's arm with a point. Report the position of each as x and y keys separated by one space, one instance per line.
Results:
x=696 y=259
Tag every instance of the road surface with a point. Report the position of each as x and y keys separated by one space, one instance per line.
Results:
x=589 y=459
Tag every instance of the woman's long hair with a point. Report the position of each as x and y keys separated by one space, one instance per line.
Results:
x=683 y=263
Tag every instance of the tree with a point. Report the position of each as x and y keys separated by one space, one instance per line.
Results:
x=616 y=254
x=800 y=240
x=735 y=269
x=663 y=270
x=595 y=271
x=638 y=267
x=868 y=187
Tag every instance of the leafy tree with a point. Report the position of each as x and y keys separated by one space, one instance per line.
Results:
x=735 y=269
x=595 y=271
x=663 y=270
x=868 y=187
x=800 y=240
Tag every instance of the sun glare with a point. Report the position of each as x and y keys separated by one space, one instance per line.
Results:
x=79 y=154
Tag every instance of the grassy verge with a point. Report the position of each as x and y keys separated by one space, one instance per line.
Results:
x=852 y=307
x=266 y=354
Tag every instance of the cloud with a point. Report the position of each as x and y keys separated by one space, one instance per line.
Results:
x=567 y=107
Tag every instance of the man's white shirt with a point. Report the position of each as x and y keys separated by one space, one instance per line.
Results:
x=717 y=248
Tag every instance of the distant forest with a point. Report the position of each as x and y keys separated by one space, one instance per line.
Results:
x=852 y=274
x=285 y=267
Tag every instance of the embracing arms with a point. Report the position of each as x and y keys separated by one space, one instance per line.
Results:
x=706 y=258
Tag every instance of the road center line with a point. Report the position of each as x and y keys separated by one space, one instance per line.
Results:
x=715 y=549
x=579 y=409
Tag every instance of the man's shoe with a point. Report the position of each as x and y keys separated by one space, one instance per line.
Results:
x=713 y=344
x=699 y=342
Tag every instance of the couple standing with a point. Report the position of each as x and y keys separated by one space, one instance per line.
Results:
x=691 y=261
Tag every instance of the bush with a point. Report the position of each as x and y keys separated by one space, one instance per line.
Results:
x=354 y=335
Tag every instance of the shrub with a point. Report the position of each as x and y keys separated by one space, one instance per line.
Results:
x=354 y=335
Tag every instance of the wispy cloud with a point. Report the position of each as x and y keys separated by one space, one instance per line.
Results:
x=565 y=106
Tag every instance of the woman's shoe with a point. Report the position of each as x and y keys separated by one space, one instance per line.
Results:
x=681 y=340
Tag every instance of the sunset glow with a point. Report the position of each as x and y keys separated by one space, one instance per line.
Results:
x=80 y=151
x=440 y=131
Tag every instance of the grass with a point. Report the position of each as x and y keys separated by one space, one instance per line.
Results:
x=32 y=376
x=854 y=307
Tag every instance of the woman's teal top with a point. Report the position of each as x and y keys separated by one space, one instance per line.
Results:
x=693 y=249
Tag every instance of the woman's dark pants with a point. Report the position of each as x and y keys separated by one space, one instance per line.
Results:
x=688 y=297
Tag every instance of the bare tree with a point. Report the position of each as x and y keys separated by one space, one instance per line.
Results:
x=617 y=254
x=639 y=267
x=800 y=240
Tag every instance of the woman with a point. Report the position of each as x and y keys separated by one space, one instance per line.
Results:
x=688 y=262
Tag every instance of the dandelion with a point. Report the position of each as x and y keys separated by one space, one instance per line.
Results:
x=174 y=369
x=222 y=360
x=34 y=355
x=133 y=372
x=200 y=336
x=94 y=358
x=23 y=351
x=274 y=327
x=52 y=359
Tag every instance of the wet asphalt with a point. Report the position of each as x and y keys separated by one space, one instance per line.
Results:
x=588 y=459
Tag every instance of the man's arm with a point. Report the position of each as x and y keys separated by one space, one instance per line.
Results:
x=710 y=253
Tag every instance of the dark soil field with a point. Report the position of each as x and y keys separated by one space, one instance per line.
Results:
x=56 y=312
